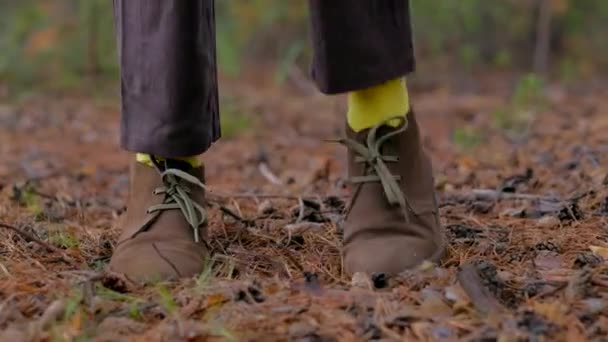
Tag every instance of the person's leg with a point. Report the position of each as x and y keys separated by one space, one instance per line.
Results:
x=364 y=48
x=168 y=76
x=359 y=44
x=169 y=115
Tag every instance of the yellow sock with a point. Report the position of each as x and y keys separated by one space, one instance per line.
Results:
x=146 y=159
x=372 y=106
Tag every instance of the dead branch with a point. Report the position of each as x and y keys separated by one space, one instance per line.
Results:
x=235 y=216
x=268 y=174
x=31 y=237
x=495 y=195
x=302 y=210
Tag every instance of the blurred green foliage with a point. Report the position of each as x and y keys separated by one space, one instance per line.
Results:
x=55 y=43
x=467 y=137
x=61 y=43
x=235 y=120
x=527 y=101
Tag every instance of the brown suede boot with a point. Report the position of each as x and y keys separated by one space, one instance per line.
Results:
x=164 y=227
x=393 y=223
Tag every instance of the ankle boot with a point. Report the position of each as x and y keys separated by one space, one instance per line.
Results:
x=392 y=224
x=164 y=227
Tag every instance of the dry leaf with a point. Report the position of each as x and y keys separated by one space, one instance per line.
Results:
x=421 y=330
x=433 y=304
x=555 y=312
x=456 y=295
x=362 y=281
x=215 y=299
x=548 y=221
x=599 y=251
x=266 y=207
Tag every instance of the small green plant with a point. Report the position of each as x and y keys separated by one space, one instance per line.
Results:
x=288 y=61
x=527 y=101
x=469 y=55
x=213 y=268
x=503 y=59
x=466 y=138
x=105 y=293
x=223 y=332
x=63 y=239
x=36 y=210
x=83 y=338
x=135 y=311
x=568 y=70
x=206 y=276
x=72 y=305
x=26 y=196
x=230 y=269
x=529 y=92
x=233 y=121
x=98 y=265
x=166 y=298
x=134 y=302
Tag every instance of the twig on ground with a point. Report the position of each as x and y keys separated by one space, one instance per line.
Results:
x=5 y=270
x=582 y=195
x=302 y=209
x=599 y=282
x=142 y=308
x=83 y=275
x=237 y=207
x=301 y=227
x=31 y=237
x=480 y=296
x=494 y=195
x=234 y=215
x=556 y=288
x=288 y=255
x=296 y=75
x=268 y=174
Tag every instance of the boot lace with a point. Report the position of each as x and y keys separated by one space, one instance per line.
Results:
x=376 y=163
x=177 y=189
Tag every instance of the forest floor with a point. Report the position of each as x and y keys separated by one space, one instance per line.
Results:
x=522 y=187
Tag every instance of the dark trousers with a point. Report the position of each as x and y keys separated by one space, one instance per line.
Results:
x=169 y=75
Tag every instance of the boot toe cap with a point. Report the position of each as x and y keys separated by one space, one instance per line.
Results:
x=148 y=261
x=388 y=255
